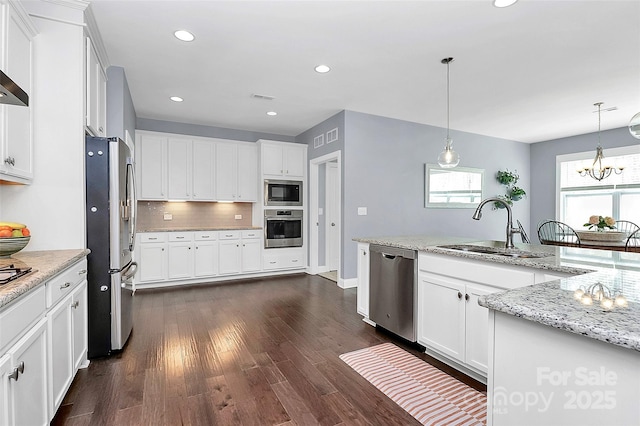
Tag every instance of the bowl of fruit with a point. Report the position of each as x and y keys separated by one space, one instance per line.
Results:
x=13 y=238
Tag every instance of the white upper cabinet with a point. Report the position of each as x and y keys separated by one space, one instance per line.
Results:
x=237 y=172
x=179 y=169
x=16 y=143
x=151 y=155
x=283 y=159
x=96 y=92
x=203 y=171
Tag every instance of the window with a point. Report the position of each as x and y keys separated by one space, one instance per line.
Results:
x=460 y=187
x=617 y=196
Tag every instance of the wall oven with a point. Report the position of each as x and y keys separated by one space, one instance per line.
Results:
x=282 y=192
x=282 y=228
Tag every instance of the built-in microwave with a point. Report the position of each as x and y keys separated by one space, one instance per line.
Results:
x=282 y=193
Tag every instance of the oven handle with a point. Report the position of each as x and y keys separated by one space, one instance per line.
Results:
x=283 y=218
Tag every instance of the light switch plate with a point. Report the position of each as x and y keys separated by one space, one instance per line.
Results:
x=238 y=216
x=168 y=216
x=362 y=211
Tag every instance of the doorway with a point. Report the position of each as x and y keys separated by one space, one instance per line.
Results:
x=325 y=214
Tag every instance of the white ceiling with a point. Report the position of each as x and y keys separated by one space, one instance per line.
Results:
x=530 y=72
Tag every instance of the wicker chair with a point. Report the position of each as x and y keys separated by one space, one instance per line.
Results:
x=553 y=232
x=626 y=226
x=633 y=242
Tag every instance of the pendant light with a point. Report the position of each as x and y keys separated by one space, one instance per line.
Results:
x=598 y=171
x=448 y=158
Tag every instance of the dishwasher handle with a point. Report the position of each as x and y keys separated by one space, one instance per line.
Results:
x=389 y=256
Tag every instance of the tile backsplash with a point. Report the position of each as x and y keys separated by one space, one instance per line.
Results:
x=192 y=214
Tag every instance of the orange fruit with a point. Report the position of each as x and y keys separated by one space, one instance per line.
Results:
x=5 y=233
x=26 y=232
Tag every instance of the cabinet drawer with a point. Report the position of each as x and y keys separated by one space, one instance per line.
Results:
x=62 y=284
x=205 y=235
x=229 y=235
x=23 y=312
x=180 y=236
x=254 y=233
x=153 y=237
x=502 y=276
x=271 y=261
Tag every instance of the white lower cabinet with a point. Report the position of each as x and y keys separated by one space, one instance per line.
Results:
x=152 y=257
x=362 y=304
x=240 y=252
x=43 y=342
x=180 y=255
x=26 y=380
x=189 y=257
x=206 y=254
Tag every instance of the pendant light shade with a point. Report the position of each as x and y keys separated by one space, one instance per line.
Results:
x=448 y=158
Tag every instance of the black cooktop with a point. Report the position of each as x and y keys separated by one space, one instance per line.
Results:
x=10 y=273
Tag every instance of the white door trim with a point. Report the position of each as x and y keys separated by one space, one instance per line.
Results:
x=314 y=202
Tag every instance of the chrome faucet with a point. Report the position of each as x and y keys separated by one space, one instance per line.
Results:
x=510 y=229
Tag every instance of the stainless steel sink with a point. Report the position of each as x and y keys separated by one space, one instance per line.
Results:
x=495 y=251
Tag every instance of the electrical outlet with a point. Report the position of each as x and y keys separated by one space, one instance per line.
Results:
x=168 y=216
x=238 y=216
x=362 y=211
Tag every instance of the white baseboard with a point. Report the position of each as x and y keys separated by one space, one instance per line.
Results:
x=347 y=283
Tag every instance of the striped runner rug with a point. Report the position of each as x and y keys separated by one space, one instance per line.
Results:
x=429 y=395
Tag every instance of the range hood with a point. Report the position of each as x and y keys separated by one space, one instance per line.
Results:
x=11 y=93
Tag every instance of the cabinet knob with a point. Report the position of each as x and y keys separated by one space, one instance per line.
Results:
x=65 y=285
x=75 y=304
x=21 y=367
x=82 y=271
x=100 y=129
x=14 y=374
x=459 y=295
x=466 y=297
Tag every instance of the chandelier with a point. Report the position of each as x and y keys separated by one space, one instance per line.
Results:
x=448 y=158
x=599 y=171
x=600 y=293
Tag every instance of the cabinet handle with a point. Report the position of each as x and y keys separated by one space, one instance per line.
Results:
x=273 y=262
x=237 y=245
x=179 y=238
x=162 y=248
x=10 y=160
x=294 y=260
x=228 y=235
x=196 y=247
x=466 y=297
x=153 y=238
x=20 y=367
x=364 y=253
x=14 y=375
x=100 y=129
x=459 y=295
x=75 y=304
x=65 y=285
x=82 y=271
x=204 y=236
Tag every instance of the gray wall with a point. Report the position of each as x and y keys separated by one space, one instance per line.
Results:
x=383 y=164
x=543 y=161
x=336 y=121
x=207 y=131
x=121 y=114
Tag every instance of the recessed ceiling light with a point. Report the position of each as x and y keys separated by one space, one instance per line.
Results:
x=272 y=113
x=184 y=35
x=176 y=99
x=322 y=69
x=503 y=3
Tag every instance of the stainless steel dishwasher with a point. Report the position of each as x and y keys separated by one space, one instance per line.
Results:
x=393 y=289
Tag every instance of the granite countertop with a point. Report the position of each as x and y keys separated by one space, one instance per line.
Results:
x=200 y=228
x=552 y=303
x=44 y=264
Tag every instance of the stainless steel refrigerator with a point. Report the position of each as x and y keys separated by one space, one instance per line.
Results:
x=111 y=227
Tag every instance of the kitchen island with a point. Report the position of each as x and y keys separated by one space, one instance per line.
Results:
x=548 y=358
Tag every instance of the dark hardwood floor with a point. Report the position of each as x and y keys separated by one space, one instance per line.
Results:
x=250 y=352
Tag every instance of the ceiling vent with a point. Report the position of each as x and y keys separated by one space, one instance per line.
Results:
x=263 y=97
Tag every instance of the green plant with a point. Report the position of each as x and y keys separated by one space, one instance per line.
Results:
x=512 y=192
x=507 y=178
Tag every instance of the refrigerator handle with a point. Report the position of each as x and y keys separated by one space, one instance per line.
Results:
x=132 y=199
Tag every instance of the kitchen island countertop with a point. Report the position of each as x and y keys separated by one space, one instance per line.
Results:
x=552 y=303
x=45 y=264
